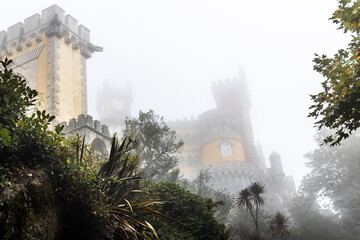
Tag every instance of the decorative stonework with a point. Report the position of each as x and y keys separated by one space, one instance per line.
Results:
x=53 y=77
x=51 y=50
x=28 y=56
x=52 y=22
x=87 y=121
x=229 y=122
x=83 y=85
x=94 y=132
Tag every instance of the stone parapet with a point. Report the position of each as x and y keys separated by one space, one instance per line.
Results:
x=52 y=22
x=86 y=121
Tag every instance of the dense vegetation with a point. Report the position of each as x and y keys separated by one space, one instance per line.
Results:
x=334 y=175
x=57 y=188
x=158 y=146
x=338 y=106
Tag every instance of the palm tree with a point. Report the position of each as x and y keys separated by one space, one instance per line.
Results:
x=279 y=225
x=256 y=190
x=121 y=177
x=250 y=197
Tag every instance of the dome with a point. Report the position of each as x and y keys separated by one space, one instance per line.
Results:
x=274 y=155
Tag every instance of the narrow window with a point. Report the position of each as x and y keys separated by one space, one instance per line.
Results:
x=226 y=149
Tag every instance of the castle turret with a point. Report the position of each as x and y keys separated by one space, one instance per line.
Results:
x=51 y=50
x=113 y=105
x=276 y=165
x=233 y=94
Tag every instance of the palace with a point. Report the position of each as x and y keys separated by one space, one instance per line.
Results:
x=51 y=50
x=221 y=140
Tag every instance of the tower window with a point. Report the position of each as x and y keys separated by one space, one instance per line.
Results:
x=226 y=149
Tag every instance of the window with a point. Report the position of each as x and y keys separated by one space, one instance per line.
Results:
x=226 y=149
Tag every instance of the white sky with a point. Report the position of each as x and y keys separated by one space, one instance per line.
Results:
x=172 y=50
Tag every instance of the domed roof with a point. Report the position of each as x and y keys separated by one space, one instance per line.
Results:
x=274 y=155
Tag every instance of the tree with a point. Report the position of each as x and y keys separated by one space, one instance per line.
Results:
x=335 y=175
x=249 y=198
x=310 y=223
x=338 y=105
x=25 y=137
x=196 y=214
x=158 y=147
x=222 y=200
x=120 y=186
x=279 y=225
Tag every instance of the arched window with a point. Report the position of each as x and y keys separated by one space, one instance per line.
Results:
x=226 y=149
x=99 y=146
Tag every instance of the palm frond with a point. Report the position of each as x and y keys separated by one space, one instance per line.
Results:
x=244 y=199
x=279 y=225
x=256 y=190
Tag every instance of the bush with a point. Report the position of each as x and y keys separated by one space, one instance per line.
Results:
x=195 y=213
x=25 y=137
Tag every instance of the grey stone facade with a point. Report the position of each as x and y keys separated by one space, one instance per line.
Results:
x=94 y=131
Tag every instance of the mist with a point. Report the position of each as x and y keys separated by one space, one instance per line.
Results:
x=164 y=58
x=171 y=51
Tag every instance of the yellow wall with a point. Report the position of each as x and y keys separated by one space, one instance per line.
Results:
x=70 y=82
x=42 y=72
x=71 y=97
x=38 y=76
x=211 y=152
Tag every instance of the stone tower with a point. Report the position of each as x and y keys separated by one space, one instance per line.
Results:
x=51 y=50
x=233 y=95
x=114 y=105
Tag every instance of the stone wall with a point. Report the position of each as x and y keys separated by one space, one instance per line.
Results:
x=94 y=132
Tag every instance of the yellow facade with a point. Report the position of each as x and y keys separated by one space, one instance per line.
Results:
x=205 y=139
x=72 y=95
x=35 y=70
x=50 y=50
x=211 y=153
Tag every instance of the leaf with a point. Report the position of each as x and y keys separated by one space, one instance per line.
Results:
x=6 y=100
x=20 y=123
x=152 y=229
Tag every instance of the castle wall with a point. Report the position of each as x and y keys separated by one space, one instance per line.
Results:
x=50 y=50
x=94 y=132
x=71 y=87
x=211 y=152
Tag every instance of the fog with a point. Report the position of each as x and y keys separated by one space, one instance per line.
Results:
x=171 y=51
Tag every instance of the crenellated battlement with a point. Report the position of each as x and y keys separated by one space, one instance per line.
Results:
x=229 y=84
x=86 y=121
x=51 y=22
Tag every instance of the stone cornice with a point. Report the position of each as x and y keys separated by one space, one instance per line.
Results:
x=51 y=22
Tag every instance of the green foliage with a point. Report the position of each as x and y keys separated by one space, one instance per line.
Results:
x=93 y=202
x=222 y=201
x=335 y=175
x=196 y=214
x=101 y=197
x=251 y=198
x=241 y=224
x=311 y=224
x=24 y=132
x=74 y=173
x=157 y=144
x=338 y=105
x=120 y=175
x=279 y=225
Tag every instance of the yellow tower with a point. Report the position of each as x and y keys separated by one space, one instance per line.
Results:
x=51 y=50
